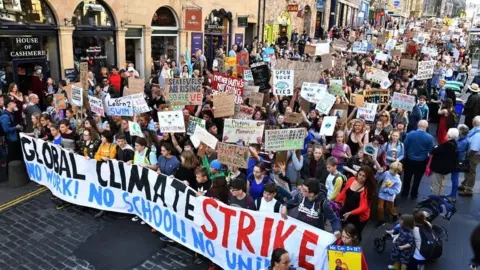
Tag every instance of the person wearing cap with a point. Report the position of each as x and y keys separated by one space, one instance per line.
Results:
x=131 y=72
x=10 y=127
x=131 y=67
x=472 y=107
x=214 y=169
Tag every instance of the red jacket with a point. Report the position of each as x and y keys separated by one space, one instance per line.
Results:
x=115 y=80
x=363 y=209
x=364 y=262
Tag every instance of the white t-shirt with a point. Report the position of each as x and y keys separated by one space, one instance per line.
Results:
x=267 y=206
x=330 y=185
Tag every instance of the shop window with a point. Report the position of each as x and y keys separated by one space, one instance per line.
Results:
x=217 y=22
x=164 y=17
x=164 y=47
x=98 y=51
x=26 y=12
x=92 y=13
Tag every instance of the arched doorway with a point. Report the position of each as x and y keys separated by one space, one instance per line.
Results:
x=307 y=19
x=218 y=34
x=28 y=44
x=164 y=36
x=94 y=36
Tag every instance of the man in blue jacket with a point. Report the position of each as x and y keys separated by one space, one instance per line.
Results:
x=418 y=147
x=10 y=128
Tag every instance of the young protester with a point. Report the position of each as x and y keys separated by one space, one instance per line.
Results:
x=403 y=244
x=90 y=143
x=239 y=197
x=315 y=166
x=127 y=152
x=107 y=149
x=143 y=156
x=340 y=150
x=167 y=162
x=257 y=180
x=268 y=203
x=335 y=179
x=390 y=186
x=69 y=138
x=186 y=171
x=350 y=238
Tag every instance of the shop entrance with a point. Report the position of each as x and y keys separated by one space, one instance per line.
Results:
x=24 y=70
x=213 y=42
x=134 y=49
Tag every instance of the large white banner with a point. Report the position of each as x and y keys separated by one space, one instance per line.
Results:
x=231 y=237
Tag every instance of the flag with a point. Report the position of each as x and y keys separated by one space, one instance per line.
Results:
x=189 y=62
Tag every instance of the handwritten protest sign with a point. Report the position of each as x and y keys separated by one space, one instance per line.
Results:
x=377 y=96
x=96 y=105
x=198 y=223
x=247 y=75
x=243 y=112
x=135 y=86
x=284 y=139
x=193 y=122
x=322 y=48
x=425 y=70
x=60 y=101
x=313 y=92
x=171 y=122
x=233 y=155
x=231 y=66
x=119 y=106
x=381 y=39
x=139 y=104
x=243 y=130
x=185 y=91
x=367 y=112
x=336 y=88
x=340 y=45
x=256 y=99
x=77 y=96
x=283 y=82
x=377 y=76
x=135 y=129
x=356 y=100
x=202 y=135
x=360 y=47
x=390 y=44
x=242 y=62
x=84 y=79
x=402 y=101
x=408 y=64
x=291 y=117
x=247 y=90
x=381 y=57
x=395 y=53
x=226 y=84
x=224 y=105
x=304 y=71
x=340 y=111
x=261 y=75
x=344 y=257
x=328 y=125
x=326 y=103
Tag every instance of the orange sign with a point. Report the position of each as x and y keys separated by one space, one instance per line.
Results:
x=193 y=20
x=292 y=8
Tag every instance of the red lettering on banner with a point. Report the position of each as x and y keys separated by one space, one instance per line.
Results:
x=279 y=237
x=308 y=237
x=243 y=232
x=212 y=235
x=266 y=235
x=229 y=213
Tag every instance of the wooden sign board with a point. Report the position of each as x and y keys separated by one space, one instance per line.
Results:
x=396 y=53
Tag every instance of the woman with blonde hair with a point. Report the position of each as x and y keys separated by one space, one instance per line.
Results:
x=339 y=150
x=36 y=126
x=358 y=136
x=387 y=123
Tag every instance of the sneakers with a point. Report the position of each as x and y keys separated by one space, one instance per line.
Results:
x=391 y=267
x=135 y=218
x=461 y=188
x=166 y=239
x=142 y=222
x=198 y=260
x=379 y=224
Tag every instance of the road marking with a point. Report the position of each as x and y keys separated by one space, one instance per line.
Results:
x=22 y=198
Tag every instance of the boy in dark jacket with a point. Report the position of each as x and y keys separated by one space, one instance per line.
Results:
x=239 y=197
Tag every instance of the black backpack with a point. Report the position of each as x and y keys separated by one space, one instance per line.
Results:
x=453 y=119
x=432 y=246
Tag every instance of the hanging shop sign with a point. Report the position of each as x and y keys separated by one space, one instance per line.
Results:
x=292 y=8
x=27 y=47
x=242 y=21
x=193 y=20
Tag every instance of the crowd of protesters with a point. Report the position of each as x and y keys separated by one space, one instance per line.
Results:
x=331 y=178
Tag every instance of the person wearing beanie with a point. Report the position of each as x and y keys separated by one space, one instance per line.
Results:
x=214 y=169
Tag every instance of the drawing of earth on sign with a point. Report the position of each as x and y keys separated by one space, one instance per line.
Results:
x=281 y=86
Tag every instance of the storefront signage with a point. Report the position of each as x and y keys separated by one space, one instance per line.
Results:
x=27 y=47
x=70 y=74
x=292 y=8
x=197 y=42
x=320 y=4
x=193 y=20
x=242 y=21
x=238 y=38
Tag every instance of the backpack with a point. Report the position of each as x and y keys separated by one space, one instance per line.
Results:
x=344 y=179
x=453 y=119
x=432 y=246
x=332 y=204
x=276 y=208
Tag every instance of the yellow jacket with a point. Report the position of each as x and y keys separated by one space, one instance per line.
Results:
x=106 y=150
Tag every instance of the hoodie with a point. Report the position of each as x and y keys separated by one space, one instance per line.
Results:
x=310 y=212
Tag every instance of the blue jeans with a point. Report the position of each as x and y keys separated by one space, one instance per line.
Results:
x=454 y=177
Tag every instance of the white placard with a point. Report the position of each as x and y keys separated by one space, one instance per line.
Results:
x=313 y=92
x=139 y=104
x=171 y=122
x=325 y=104
x=247 y=75
x=135 y=129
x=425 y=70
x=243 y=131
x=204 y=136
x=119 y=106
x=77 y=96
x=283 y=81
x=390 y=44
x=322 y=48
x=96 y=105
x=367 y=111
x=379 y=76
x=328 y=125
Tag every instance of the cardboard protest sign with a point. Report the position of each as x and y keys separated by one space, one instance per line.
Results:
x=224 y=105
x=336 y=88
x=242 y=63
x=356 y=100
x=395 y=52
x=284 y=139
x=304 y=71
x=243 y=130
x=402 y=101
x=231 y=66
x=408 y=64
x=261 y=75
x=340 y=45
x=390 y=44
x=233 y=155
x=340 y=111
x=328 y=125
x=96 y=105
x=77 y=96
x=377 y=96
x=371 y=150
x=135 y=85
x=201 y=135
x=247 y=90
x=184 y=91
x=322 y=48
x=193 y=122
x=84 y=79
x=360 y=47
x=225 y=84
x=381 y=39
x=256 y=99
x=345 y=257
x=326 y=103
x=134 y=129
x=283 y=82
x=377 y=76
x=140 y=105
x=60 y=102
x=247 y=75
x=243 y=112
x=171 y=122
x=119 y=106
x=291 y=117
x=313 y=92
x=367 y=112
x=181 y=216
x=425 y=70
